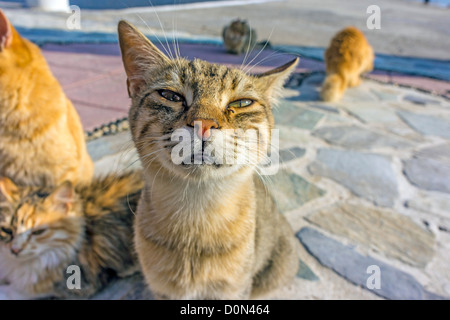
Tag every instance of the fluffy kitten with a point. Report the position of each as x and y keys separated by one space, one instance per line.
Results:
x=238 y=37
x=208 y=230
x=41 y=138
x=43 y=231
x=348 y=56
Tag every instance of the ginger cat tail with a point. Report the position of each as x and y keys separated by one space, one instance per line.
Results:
x=348 y=56
x=41 y=136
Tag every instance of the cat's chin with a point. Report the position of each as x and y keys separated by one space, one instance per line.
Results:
x=203 y=171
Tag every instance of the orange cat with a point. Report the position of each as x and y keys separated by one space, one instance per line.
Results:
x=41 y=137
x=348 y=56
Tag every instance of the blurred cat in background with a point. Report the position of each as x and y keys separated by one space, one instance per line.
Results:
x=238 y=37
x=43 y=231
x=41 y=137
x=348 y=56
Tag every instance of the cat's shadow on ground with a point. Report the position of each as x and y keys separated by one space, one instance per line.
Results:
x=132 y=287
x=307 y=86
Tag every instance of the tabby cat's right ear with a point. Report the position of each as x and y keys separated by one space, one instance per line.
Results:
x=139 y=56
x=6 y=34
x=7 y=189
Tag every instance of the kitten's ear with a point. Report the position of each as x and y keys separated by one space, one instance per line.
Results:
x=139 y=56
x=6 y=34
x=62 y=198
x=272 y=81
x=7 y=189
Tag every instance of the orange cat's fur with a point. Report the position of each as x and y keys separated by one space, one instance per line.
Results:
x=41 y=137
x=348 y=56
x=205 y=231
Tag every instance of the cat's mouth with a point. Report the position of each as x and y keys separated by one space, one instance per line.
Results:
x=194 y=158
x=225 y=152
x=202 y=159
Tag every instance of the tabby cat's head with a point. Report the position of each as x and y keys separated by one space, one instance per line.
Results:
x=240 y=27
x=36 y=221
x=207 y=106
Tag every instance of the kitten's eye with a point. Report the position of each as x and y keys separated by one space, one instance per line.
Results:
x=171 y=96
x=241 y=103
x=7 y=230
x=38 y=232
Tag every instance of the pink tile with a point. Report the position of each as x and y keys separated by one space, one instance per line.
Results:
x=378 y=75
x=436 y=86
x=93 y=117
x=308 y=65
x=107 y=91
x=68 y=77
x=90 y=58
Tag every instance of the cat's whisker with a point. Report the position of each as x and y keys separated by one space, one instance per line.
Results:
x=260 y=51
x=129 y=205
x=247 y=51
x=270 y=56
x=154 y=34
x=175 y=37
x=154 y=179
x=163 y=30
x=151 y=153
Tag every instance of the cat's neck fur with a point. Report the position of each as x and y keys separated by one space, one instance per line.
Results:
x=171 y=195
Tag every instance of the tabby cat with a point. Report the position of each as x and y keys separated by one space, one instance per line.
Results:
x=238 y=37
x=41 y=138
x=208 y=230
x=44 y=231
x=348 y=56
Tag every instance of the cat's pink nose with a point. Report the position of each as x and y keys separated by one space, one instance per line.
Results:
x=15 y=251
x=203 y=127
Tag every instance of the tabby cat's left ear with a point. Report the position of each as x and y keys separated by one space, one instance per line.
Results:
x=139 y=56
x=7 y=189
x=63 y=197
x=272 y=81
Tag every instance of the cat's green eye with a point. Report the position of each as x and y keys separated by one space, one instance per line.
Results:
x=7 y=230
x=171 y=96
x=241 y=103
x=38 y=232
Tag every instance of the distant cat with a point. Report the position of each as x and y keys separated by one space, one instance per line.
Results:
x=43 y=231
x=41 y=137
x=208 y=230
x=348 y=56
x=238 y=37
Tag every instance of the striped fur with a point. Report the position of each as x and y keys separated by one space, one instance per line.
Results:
x=204 y=231
x=90 y=227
